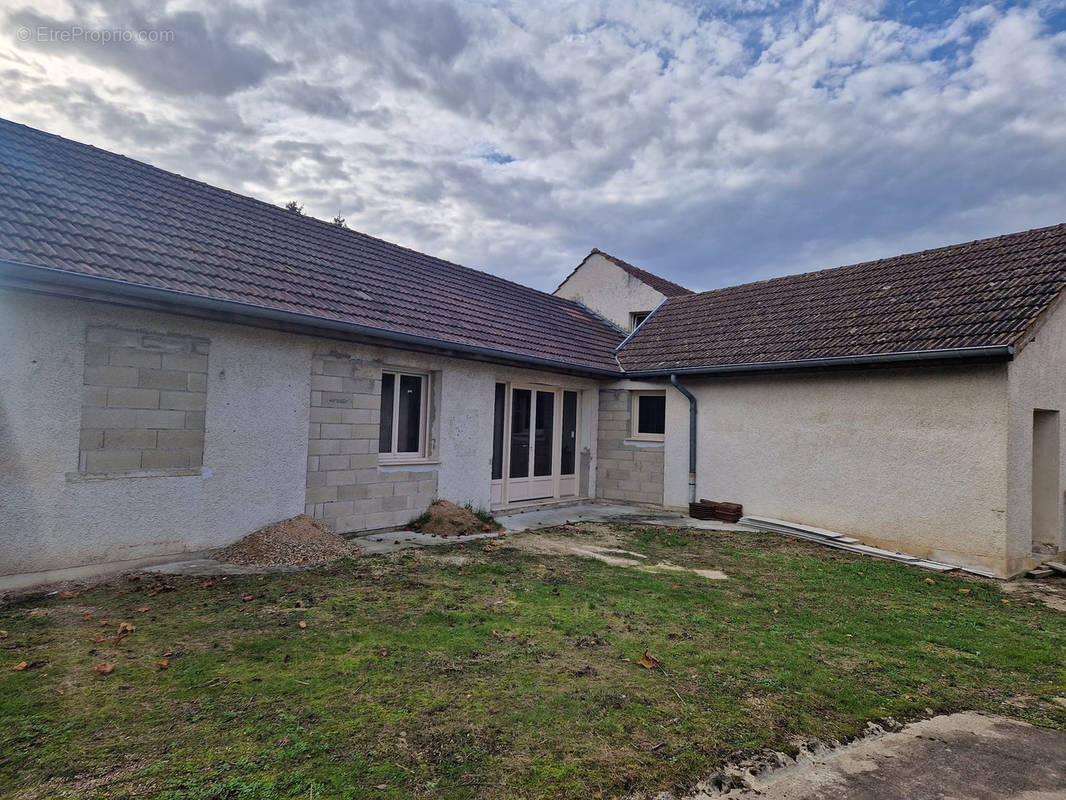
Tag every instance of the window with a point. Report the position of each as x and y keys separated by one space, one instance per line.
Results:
x=402 y=435
x=637 y=317
x=649 y=416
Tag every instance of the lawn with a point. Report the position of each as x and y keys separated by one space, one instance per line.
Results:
x=500 y=672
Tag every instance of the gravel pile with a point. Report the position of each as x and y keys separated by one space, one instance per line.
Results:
x=299 y=541
x=448 y=519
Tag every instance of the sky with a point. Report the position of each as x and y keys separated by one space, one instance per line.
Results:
x=712 y=143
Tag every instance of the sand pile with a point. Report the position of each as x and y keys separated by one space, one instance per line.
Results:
x=298 y=541
x=448 y=519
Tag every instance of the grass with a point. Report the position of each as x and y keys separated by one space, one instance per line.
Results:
x=468 y=672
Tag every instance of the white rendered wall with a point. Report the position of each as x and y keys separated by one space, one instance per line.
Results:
x=610 y=291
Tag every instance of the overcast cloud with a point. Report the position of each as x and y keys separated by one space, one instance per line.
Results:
x=712 y=143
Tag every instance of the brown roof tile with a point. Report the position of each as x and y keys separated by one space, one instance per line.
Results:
x=76 y=208
x=979 y=294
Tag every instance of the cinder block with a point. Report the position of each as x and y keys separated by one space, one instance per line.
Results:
x=352 y=492
x=314 y=431
x=404 y=488
x=326 y=383
x=315 y=480
x=370 y=505
x=118 y=397
x=361 y=417
x=361 y=386
x=197 y=382
x=97 y=355
x=312 y=463
x=112 y=460
x=110 y=376
x=323 y=494
x=182 y=438
x=331 y=366
x=130 y=439
x=165 y=343
x=94 y=396
x=108 y=418
x=159 y=419
x=428 y=486
x=200 y=345
x=194 y=420
x=340 y=477
x=355 y=446
x=183 y=401
x=186 y=362
x=369 y=401
x=155 y=459
x=323 y=447
x=329 y=415
x=337 y=508
x=339 y=462
x=349 y=523
x=161 y=379
x=336 y=400
x=386 y=519
x=332 y=431
x=380 y=490
x=91 y=440
x=359 y=461
x=133 y=357
x=396 y=503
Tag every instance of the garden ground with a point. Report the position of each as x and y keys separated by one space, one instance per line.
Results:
x=501 y=669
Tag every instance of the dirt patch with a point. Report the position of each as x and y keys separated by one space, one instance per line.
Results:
x=447 y=519
x=1050 y=592
x=298 y=541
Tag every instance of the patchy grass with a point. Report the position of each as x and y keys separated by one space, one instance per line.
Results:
x=500 y=672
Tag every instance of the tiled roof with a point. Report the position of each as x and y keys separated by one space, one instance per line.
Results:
x=71 y=207
x=661 y=285
x=980 y=294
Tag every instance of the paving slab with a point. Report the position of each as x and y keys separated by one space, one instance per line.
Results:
x=967 y=756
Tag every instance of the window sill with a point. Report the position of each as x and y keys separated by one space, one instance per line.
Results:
x=644 y=442
x=81 y=477
x=407 y=463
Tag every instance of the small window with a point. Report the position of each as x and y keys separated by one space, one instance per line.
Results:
x=637 y=317
x=402 y=435
x=649 y=415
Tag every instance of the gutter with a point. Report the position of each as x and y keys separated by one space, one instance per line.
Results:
x=691 y=437
x=1004 y=352
x=92 y=283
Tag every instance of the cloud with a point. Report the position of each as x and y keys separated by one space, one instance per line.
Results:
x=712 y=143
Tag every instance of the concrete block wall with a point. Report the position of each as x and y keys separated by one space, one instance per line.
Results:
x=143 y=401
x=626 y=470
x=346 y=487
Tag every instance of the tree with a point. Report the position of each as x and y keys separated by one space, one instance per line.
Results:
x=294 y=207
x=339 y=221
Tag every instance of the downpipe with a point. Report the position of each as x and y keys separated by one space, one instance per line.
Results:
x=691 y=436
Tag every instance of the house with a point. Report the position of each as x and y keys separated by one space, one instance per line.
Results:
x=183 y=364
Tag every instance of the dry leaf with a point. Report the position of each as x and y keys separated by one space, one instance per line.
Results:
x=930 y=581
x=142 y=609
x=20 y=666
x=303 y=624
x=648 y=661
x=70 y=595
x=162 y=663
x=384 y=652
x=98 y=639
x=964 y=591
x=105 y=669
x=246 y=598
x=86 y=616
x=127 y=627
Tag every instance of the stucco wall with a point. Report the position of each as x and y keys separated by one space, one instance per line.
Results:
x=609 y=290
x=255 y=446
x=1036 y=380
x=913 y=460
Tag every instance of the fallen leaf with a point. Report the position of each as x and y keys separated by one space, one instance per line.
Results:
x=142 y=609
x=964 y=591
x=303 y=624
x=20 y=666
x=86 y=616
x=98 y=639
x=104 y=623
x=384 y=652
x=105 y=669
x=930 y=581
x=648 y=661
x=127 y=627
x=290 y=590
x=69 y=595
x=162 y=663
x=246 y=598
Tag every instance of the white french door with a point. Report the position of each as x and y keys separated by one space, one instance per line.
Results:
x=534 y=443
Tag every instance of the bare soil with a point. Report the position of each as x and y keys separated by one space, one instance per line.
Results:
x=298 y=541
x=447 y=519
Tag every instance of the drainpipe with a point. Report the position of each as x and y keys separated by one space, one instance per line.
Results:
x=691 y=436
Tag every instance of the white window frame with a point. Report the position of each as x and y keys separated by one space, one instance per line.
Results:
x=634 y=417
x=633 y=323
x=422 y=453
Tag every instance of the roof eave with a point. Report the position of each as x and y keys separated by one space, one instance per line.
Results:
x=110 y=286
x=987 y=353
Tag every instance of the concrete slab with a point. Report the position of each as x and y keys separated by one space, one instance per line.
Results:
x=392 y=541
x=538 y=518
x=966 y=756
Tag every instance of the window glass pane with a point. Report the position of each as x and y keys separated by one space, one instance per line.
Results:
x=388 y=383
x=409 y=415
x=569 y=447
x=497 y=431
x=521 y=400
x=544 y=435
x=651 y=413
